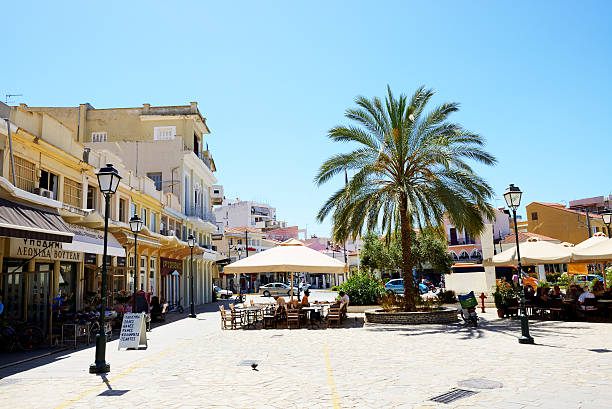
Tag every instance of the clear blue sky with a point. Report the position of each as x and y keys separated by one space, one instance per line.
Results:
x=272 y=77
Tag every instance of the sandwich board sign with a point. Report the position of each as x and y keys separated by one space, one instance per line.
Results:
x=133 y=331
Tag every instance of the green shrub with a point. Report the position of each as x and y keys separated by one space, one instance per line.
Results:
x=447 y=297
x=363 y=289
x=553 y=277
x=336 y=288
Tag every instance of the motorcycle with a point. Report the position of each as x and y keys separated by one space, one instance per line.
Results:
x=468 y=308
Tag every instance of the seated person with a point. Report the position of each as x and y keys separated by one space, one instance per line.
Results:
x=305 y=302
x=529 y=294
x=156 y=309
x=556 y=292
x=343 y=298
x=598 y=288
x=586 y=294
x=280 y=303
x=542 y=295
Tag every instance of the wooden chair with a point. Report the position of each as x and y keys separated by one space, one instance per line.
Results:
x=226 y=320
x=236 y=316
x=269 y=318
x=334 y=316
x=293 y=317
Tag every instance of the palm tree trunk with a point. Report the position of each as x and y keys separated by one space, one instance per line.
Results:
x=405 y=226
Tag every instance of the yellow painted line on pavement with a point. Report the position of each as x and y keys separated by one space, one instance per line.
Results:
x=127 y=371
x=330 y=379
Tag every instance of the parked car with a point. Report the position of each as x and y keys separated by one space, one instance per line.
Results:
x=587 y=278
x=280 y=289
x=397 y=287
x=304 y=286
x=221 y=293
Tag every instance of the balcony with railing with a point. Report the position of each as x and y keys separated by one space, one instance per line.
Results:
x=206 y=215
x=204 y=156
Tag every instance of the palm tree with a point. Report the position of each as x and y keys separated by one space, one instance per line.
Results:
x=411 y=168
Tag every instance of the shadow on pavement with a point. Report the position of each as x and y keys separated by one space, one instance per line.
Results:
x=10 y=361
x=510 y=328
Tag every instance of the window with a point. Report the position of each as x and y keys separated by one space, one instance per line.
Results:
x=143 y=261
x=184 y=232
x=72 y=193
x=98 y=136
x=164 y=133
x=122 y=217
x=231 y=241
x=152 y=225
x=25 y=172
x=132 y=209
x=48 y=181
x=157 y=178
x=143 y=216
x=534 y=215
x=239 y=241
x=91 y=197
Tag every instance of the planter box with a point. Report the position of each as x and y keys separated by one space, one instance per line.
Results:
x=442 y=316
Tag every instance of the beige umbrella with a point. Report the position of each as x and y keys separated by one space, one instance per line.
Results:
x=591 y=241
x=289 y=256
x=533 y=252
x=601 y=251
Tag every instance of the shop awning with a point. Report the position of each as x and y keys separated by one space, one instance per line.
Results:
x=88 y=240
x=26 y=222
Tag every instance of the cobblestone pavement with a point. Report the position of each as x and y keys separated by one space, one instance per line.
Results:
x=193 y=363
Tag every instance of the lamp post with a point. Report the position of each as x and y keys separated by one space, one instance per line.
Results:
x=108 y=179
x=607 y=219
x=513 y=200
x=191 y=243
x=135 y=227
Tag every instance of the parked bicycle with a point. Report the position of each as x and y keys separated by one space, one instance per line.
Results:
x=20 y=335
x=176 y=307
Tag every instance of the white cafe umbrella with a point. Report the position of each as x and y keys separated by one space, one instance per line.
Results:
x=591 y=241
x=289 y=256
x=533 y=252
x=601 y=251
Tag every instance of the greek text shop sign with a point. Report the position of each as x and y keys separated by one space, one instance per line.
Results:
x=42 y=249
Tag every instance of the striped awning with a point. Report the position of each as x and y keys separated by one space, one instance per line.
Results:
x=22 y=221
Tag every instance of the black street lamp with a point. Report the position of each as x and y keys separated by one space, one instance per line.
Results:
x=513 y=200
x=607 y=219
x=191 y=243
x=135 y=227
x=108 y=179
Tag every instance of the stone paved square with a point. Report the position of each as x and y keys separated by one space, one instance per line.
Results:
x=192 y=363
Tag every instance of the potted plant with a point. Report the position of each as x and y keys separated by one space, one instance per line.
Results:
x=499 y=302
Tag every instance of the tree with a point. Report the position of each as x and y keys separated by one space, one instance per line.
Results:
x=375 y=255
x=411 y=168
x=427 y=249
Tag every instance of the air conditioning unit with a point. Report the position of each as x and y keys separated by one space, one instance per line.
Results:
x=44 y=192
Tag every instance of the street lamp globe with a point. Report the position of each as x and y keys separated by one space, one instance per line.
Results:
x=513 y=196
x=135 y=224
x=607 y=218
x=191 y=241
x=108 y=179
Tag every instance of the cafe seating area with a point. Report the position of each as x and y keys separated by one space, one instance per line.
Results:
x=291 y=315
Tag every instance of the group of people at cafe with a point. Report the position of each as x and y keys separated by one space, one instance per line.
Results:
x=576 y=296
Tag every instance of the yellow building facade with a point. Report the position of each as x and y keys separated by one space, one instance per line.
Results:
x=557 y=221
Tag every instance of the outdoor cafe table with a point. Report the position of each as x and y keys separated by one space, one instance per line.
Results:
x=311 y=310
x=250 y=311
